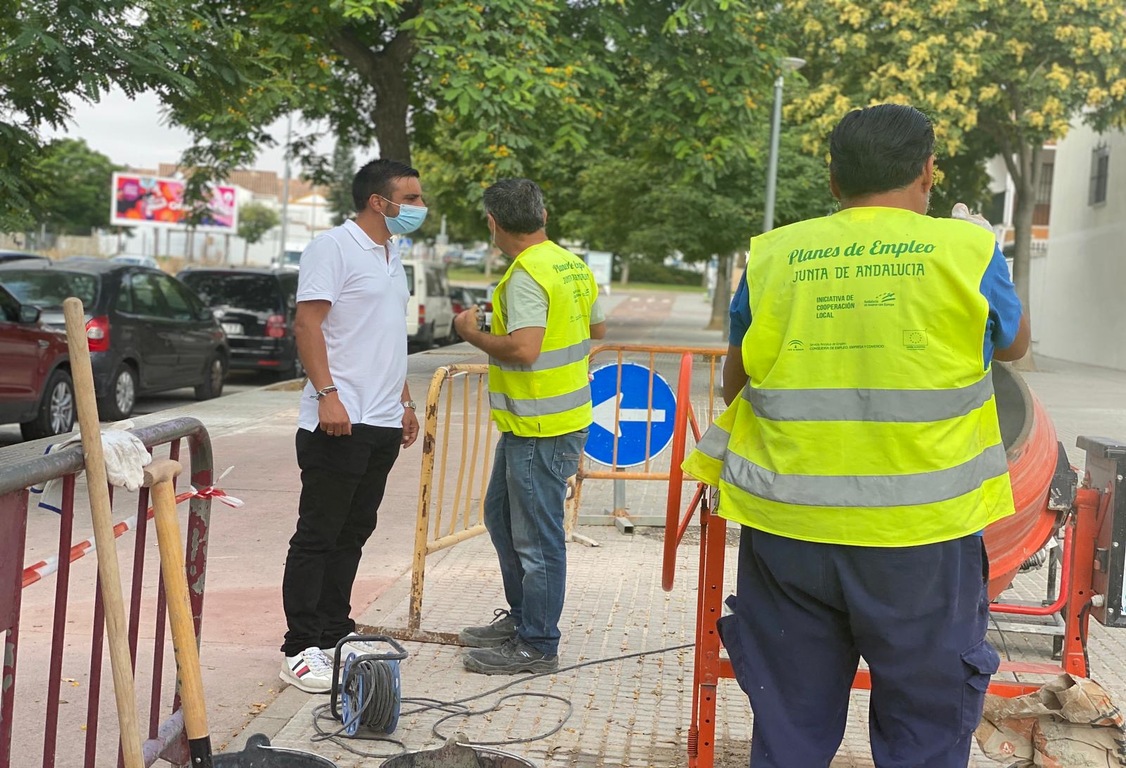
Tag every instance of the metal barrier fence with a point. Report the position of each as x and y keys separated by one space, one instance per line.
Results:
x=458 y=439
x=456 y=461
x=44 y=711
x=704 y=389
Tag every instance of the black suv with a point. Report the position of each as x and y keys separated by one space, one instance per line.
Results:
x=147 y=331
x=256 y=308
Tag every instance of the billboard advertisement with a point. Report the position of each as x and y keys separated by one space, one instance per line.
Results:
x=160 y=201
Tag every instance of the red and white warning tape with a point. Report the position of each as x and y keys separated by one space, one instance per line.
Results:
x=37 y=571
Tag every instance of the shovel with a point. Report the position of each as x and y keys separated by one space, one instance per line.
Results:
x=160 y=477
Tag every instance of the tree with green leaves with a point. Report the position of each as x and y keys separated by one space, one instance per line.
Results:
x=340 y=188
x=74 y=195
x=538 y=88
x=52 y=55
x=254 y=221
x=996 y=77
x=669 y=112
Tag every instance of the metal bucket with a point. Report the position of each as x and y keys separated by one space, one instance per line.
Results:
x=455 y=755
x=259 y=754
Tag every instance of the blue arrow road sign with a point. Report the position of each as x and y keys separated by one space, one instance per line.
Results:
x=635 y=416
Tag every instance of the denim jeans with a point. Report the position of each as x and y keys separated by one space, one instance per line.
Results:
x=524 y=516
x=342 y=484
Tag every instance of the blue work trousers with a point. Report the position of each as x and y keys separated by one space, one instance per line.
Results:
x=524 y=516
x=804 y=615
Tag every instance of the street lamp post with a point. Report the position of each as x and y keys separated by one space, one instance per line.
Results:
x=285 y=189
x=788 y=64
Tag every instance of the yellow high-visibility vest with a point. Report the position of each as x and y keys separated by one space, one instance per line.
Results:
x=869 y=416
x=552 y=395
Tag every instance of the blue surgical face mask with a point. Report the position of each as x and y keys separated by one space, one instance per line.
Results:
x=409 y=219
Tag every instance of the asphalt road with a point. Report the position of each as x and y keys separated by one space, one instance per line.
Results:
x=237 y=381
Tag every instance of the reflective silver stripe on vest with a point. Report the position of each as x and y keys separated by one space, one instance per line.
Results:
x=714 y=442
x=543 y=406
x=866 y=490
x=556 y=358
x=873 y=405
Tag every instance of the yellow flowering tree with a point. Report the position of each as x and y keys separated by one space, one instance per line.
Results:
x=1018 y=72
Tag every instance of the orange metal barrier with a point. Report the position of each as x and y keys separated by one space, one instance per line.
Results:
x=663 y=360
x=458 y=438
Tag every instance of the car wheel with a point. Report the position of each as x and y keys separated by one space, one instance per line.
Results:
x=122 y=396
x=56 y=411
x=213 y=375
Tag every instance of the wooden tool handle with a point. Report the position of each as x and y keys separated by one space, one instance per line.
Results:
x=163 y=496
x=102 y=515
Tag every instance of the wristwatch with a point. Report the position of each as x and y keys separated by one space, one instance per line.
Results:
x=409 y=404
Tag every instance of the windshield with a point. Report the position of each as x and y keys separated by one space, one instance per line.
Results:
x=48 y=288
x=217 y=289
x=291 y=258
x=408 y=270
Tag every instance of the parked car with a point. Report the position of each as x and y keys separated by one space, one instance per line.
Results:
x=147 y=331
x=290 y=258
x=465 y=296
x=474 y=257
x=489 y=303
x=35 y=384
x=462 y=297
x=136 y=260
x=256 y=308
x=430 y=314
x=6 y=256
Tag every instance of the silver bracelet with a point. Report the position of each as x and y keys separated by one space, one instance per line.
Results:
x=323 y=393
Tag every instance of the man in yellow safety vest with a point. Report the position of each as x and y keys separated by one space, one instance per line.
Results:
x=862 y=457
x=545 y=312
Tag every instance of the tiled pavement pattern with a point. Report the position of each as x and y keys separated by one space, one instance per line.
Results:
x=627 y=713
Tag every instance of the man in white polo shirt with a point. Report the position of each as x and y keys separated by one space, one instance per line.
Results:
x=356 y=412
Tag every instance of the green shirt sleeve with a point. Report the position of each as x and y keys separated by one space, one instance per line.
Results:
x=597 y=315
x=525 y=302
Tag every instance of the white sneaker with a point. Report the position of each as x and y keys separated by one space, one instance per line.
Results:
x=309 y=671
x=330 y=652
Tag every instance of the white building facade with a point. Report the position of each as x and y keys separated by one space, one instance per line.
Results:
x=1078 y=307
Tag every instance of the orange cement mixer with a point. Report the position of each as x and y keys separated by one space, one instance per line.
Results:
x=1033 y=453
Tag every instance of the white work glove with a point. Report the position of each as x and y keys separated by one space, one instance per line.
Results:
x=126 y=458
x=962 y=211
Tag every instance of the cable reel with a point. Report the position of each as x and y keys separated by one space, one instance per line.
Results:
x=367 y=687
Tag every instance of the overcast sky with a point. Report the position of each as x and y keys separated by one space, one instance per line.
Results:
x=132 y=133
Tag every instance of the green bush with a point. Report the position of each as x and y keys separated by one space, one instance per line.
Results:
x=649 y=272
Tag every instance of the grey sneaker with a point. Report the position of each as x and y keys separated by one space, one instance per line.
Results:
x=496 y=633
x=512 y=658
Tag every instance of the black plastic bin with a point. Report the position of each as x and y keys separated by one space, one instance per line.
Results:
x=259 y=754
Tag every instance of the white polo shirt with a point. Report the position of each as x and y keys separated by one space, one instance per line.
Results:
x=366 y=328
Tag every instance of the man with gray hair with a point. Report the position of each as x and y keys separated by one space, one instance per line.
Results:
x=545 y=312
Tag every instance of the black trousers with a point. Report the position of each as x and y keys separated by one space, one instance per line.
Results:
x=342 y=484
x=805 y=613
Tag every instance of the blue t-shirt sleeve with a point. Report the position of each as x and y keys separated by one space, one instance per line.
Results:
x=1004 y=306
x=740 y=312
